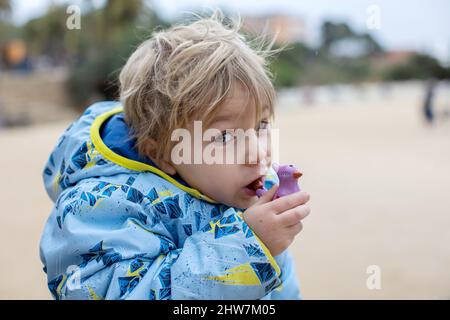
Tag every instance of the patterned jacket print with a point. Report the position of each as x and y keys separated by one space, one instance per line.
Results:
x=121 y=228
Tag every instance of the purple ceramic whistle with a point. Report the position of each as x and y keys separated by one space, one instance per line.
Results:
x=288 y=175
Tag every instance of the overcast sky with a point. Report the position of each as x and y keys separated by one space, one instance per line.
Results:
x=404 y=24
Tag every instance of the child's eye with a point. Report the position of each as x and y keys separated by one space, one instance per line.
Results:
x=263 y=125
x=223 y=138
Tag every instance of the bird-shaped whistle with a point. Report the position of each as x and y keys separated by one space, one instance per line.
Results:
x=288 y=176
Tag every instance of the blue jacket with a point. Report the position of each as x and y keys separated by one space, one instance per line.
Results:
x=123 y=229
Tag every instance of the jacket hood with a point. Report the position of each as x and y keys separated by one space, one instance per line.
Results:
x=98 y=144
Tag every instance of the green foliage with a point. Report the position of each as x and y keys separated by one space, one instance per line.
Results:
x=5 y=7
x=332 y=32
x=95 y=53
x=8 y=32
x=419 y=66
x=300 y=65
x=46 y=35
x=117 y=29
x=288 y=64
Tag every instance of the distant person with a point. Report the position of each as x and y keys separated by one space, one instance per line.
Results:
x=2 y=115
x=15 y=56
x=131 y=223
x=308 y=95
x=428 y=102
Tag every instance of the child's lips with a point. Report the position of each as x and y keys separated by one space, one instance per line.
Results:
x=250 y=192
x=256 y=184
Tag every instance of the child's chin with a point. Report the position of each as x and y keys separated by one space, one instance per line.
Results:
x=245 y=203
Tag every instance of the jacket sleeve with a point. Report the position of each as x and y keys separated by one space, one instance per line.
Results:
x=290 y=289
x=96 y=247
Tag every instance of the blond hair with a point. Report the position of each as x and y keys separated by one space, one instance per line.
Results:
x=188 y=71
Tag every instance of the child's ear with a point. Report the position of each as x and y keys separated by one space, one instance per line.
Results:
x=163 y=164
x=167 y=167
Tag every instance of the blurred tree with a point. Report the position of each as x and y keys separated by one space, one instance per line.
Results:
x=122 y=12
x=116 y=30
x=8 y=31
x=373 y=46
x=334 y=33
x=46 y=35
x=342 y=56
x=5 y=7
x=95 y=53
x=419 y=66
x=290 y=64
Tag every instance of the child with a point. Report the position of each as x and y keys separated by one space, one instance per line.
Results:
x=130 y=222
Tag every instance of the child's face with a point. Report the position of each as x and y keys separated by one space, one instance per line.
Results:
x=226 y=182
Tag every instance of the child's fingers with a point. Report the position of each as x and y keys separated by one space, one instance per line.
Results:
x=266 y=197
x=293 y=216
x=288 y=202
x=295 y=229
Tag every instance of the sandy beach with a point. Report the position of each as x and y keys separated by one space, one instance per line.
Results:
x=379 y=180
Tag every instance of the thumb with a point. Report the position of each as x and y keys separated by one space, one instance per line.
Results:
x=266 y=197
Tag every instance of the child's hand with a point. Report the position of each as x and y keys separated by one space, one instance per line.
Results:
x=277 y=222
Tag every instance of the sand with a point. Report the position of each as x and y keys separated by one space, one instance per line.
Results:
x=379 y=181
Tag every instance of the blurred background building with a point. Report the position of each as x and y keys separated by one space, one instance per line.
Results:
x=287 y=29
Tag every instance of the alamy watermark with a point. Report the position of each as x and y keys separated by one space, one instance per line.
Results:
x=373 y=281
x=373 y=21
x=232 y=146
x=73 y=277
x=73 y=21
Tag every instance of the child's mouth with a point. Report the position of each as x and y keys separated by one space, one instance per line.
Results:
x=251 y=188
